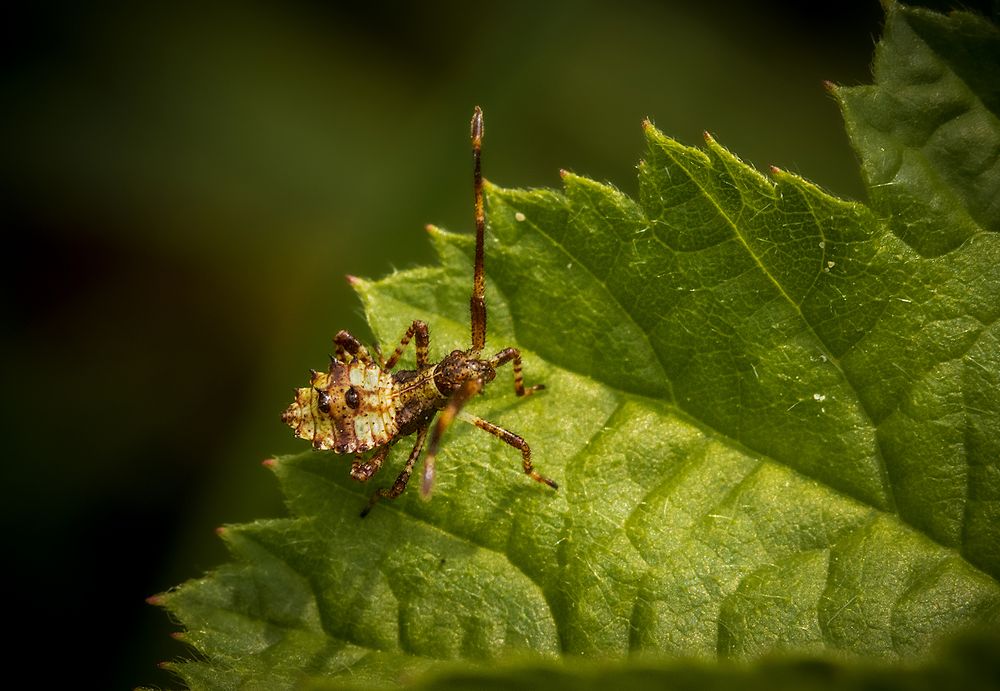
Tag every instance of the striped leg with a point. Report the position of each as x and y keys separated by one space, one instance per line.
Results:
x=418 y=329
x=404 y=477
x=348 y=344
x=515 y=441
x=362 y=470
x=513 y=354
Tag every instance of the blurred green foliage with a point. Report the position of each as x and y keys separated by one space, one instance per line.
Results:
x=185 y=187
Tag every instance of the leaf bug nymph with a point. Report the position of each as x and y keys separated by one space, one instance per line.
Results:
x=360 y=404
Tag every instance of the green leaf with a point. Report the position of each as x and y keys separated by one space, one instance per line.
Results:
x=773 y=415
x=929 y=137
x=927 y=129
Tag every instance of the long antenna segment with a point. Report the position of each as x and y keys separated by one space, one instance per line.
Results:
x=477 y=303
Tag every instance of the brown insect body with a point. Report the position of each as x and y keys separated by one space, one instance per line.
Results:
x=360 y=404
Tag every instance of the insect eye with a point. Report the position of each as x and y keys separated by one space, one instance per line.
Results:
x=323 y=401
x=351 y=397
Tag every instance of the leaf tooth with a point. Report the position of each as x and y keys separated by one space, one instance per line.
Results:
x=570 y=178
x=660 y=143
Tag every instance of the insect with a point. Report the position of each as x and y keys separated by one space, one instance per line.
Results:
x=360 y=404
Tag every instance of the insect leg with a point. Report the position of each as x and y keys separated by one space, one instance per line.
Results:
x=515 y=441
x=458 y=399
x=418 y=329
x=346 y=343
x=506 y=355
x=400 y=484
x=362 y=470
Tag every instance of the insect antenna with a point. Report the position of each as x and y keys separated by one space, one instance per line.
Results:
x=477 y=303
x=458 y=399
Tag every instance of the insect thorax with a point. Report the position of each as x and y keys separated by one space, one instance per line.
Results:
x=460 y=366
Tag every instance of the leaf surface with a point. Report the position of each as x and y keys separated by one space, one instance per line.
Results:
x=773 y=415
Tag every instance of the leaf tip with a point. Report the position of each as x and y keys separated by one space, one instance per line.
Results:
x=775 y=170
x=436 y=232
x=270 y=463
x=353 y=280
x=178 y=636
x=155 y=600
x=647 y=125
x=707 y=136
x=830 y=87
x=563 y=173
x=221 y=531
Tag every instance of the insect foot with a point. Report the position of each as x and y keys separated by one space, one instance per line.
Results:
x=361 y=405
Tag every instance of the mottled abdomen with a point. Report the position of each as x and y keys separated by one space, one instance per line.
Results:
x=350 y=409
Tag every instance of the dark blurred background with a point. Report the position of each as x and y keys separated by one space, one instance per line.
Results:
x=184 y=189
